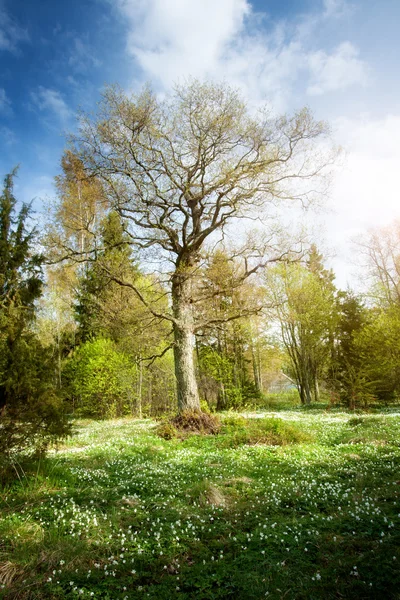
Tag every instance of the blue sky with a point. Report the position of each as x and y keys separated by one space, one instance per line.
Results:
x=340 y=58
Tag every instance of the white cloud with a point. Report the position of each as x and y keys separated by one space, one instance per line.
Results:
x=339 y=70
x=11 y=34
x=49 y=100
x=82 y=56
x=336 y=8
x=5 y=103
x=172 y=39
x=365 y=192
x=7 y=136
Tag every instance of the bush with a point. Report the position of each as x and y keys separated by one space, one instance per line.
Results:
x=166 y=431
x=205 y=407
x=35 y=416
x=31 y=413
x=100 y=380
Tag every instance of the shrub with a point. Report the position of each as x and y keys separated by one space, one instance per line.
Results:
x=189 y=422
x=35 y=416
x=100 y=380
x=205 y=407
x=31 y=413
x=166 y=431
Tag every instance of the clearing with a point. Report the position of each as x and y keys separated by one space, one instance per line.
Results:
x=299 y=505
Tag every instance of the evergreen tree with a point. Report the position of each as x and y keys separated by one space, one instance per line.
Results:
x=224 y=349
x=365 y=365
x=96 y=287
x=20 y=280
x=30 y=412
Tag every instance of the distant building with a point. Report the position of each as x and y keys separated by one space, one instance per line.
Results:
x=281 y=383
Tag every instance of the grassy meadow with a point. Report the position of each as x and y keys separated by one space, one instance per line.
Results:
x=286 y=504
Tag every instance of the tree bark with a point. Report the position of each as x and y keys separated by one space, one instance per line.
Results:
x=304 y=390
x=317 y=396
x=185 y=374
x=139 y=390
x=255 y=355
x=221 y=399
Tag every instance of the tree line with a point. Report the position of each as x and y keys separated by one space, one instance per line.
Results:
x=147 y=293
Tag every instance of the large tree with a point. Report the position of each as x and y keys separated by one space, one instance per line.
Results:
x=181 y=169
x=30 y=412
x=303 y=302
x=20 y=282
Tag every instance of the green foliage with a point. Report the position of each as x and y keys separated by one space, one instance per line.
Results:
x=31 y=414
x=269 y=431
x=167 y=431
x=205 y=408
x=221 y=369
x=378 y=348
x=230 y=353
x=36 y=415
x=365 y=361
x=346 y=370
x=233 y=386
x=120 y=514
x=97 y=290
x=304 y=297
x=101 y=380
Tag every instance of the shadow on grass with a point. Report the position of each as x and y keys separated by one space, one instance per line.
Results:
x=188 y=519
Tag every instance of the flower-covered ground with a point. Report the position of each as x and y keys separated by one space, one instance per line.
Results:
x=119 y=513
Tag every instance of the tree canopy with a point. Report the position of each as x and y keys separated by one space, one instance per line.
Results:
x=180 y=170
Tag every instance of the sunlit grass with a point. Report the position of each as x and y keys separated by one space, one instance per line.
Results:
x=116 y=512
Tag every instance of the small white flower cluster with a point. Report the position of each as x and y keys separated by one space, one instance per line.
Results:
x=149 y=512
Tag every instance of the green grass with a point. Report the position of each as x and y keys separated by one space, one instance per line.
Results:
x=298 y=505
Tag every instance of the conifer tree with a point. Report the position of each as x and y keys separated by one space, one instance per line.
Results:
x=20 y=279
x=30 y=412
x=96 y=287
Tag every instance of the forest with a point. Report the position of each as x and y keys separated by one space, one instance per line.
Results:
x=172 y=351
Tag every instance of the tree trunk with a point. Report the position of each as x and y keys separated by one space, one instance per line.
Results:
x=255 y=355
x=221 y=399
x=300 y=388
x=186 y=384
x=139 y=390
x=317 y=396
x=305 y=394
